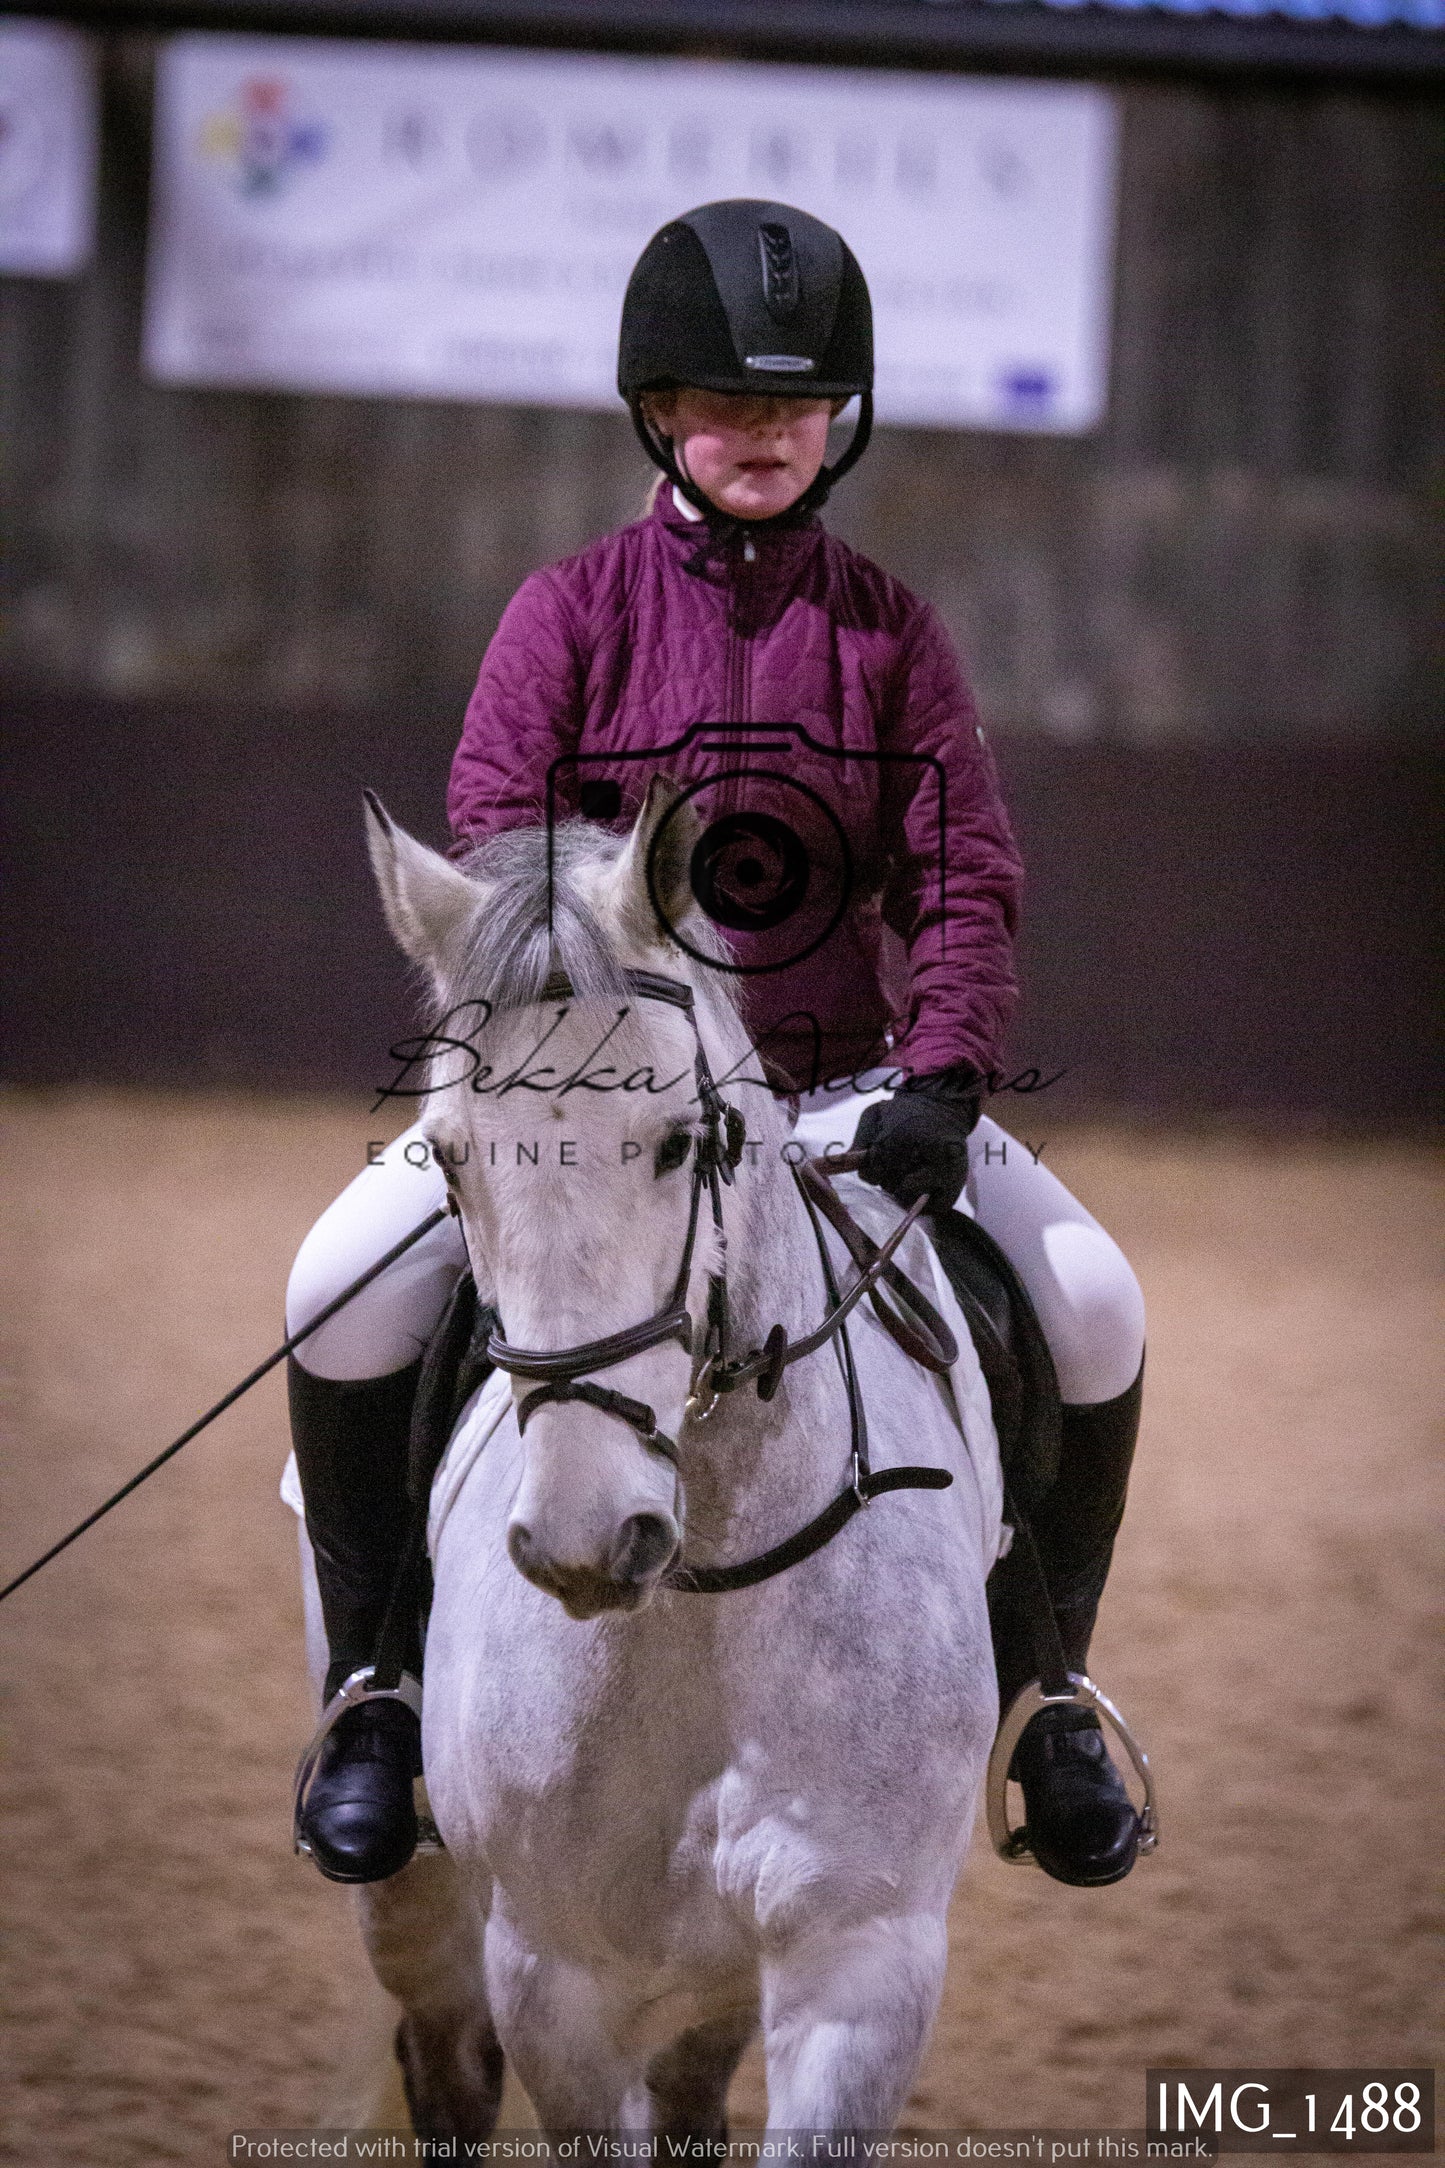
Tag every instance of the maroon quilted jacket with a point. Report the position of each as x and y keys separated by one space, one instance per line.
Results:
x=856 y=852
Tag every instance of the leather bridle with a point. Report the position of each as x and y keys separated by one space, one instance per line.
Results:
x=563 y=1373
x=716 y=1155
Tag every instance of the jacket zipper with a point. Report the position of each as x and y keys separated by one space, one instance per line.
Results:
x=738 y=654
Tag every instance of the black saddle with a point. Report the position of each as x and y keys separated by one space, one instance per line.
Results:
x=454 y=1365
x=1012 y=1352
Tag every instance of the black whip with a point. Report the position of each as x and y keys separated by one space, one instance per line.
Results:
x=252 y=1378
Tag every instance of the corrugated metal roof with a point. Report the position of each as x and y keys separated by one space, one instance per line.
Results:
x=1364 y=14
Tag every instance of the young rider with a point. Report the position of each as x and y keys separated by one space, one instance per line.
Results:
x=746 y=327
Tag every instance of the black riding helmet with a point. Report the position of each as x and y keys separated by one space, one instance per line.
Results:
x=746 y=296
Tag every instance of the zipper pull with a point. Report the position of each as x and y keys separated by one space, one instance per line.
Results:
x=750 y=555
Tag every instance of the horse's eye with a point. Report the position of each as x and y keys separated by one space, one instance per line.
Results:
x=672 y=1151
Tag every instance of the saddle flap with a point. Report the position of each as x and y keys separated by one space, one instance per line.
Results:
x=1012 y=1352
x=454 y=1364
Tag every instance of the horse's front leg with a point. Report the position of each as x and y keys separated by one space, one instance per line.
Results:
x=560 y=2035
x=424 y=1932
x=846 y=2013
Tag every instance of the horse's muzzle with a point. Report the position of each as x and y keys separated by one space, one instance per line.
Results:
x=644 y=1547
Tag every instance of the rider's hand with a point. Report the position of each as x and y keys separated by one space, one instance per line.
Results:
x=916 y=1143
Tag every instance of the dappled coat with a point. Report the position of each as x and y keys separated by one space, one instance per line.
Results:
x=854 y=850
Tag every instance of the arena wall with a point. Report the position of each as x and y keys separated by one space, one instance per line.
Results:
x=1205 y=640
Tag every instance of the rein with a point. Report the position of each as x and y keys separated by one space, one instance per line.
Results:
x=562 y=1373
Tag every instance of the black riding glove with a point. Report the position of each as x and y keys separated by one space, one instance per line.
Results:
x=916 y=1143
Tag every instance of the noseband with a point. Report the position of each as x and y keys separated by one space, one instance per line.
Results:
x=562 y=1373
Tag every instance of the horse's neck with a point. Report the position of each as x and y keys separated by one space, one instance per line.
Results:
x=774 y=1277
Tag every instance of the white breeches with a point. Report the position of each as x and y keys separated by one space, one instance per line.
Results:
x=388 y=1324
x=1087 y=1298
x=1081 y=1284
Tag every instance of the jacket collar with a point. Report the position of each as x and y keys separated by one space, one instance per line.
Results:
x=780 y=547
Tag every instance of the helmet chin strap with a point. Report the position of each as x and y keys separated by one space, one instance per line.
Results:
x=660 y=451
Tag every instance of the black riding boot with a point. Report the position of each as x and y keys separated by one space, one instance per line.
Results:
x=1081 y=1826
x=351 y=1452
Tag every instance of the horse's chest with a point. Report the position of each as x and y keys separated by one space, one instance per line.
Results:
x=607 y=1855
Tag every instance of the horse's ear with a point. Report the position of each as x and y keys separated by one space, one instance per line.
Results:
x=426 y=900
x=653 y=877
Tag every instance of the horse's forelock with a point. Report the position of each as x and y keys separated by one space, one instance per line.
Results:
x=533 y=919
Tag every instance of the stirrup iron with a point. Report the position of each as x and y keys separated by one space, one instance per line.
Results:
x=349 y=1695
x=1013 y=1844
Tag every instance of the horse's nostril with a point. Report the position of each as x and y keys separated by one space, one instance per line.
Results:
x=520 y=1548
x=644 y=1545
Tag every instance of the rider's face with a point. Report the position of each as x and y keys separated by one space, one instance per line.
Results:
x=750 y=456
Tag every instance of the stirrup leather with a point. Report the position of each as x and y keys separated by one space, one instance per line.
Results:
x=1013 y=1844
x=349 y=1695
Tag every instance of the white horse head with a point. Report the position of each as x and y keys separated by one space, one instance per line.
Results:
x=566 y=1134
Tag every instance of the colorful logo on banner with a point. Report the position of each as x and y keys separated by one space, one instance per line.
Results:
x=262 y=138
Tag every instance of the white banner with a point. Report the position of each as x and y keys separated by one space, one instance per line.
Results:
x=47 y=149
x=399 y=220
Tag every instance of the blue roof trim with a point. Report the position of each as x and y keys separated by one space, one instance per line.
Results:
x=1397 y=42
x=1363 y=14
